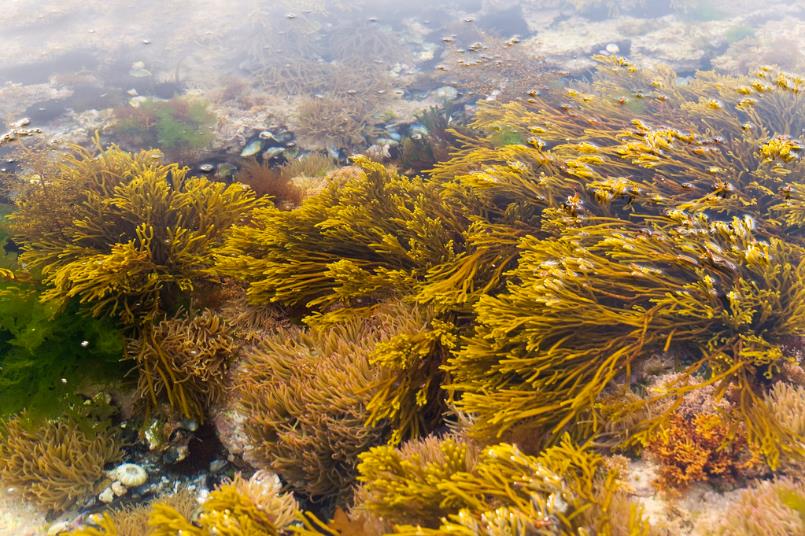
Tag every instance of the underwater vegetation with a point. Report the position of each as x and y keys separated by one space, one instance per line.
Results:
x=453 y=354
x=633 y=291
x=181 y=126
x=774 y=508
x=430 y=144
x=700 y=441
x=254 y=506
x=305 y=396
x=133 y=520
x=240 y=507
x=367 y=236
x=56 y=462
x=698 y=195
x=446 y=486
x=274 y=182
x=331 y=121
x=125 y=235
x=184 y=361
x=47 y=354
x=649 y=216
x=316 y=398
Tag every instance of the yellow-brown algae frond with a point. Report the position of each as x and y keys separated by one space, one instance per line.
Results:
x=133 y=520
x=122 y=233
x=56 y=463
x=238 y=508
x=305 y=394
x=184 y=361
x=782 y=147
x=364 y=238
x=527 y=370
x=434 y=486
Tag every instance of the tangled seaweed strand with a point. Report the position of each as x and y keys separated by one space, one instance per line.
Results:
x=122 y=233
x=445 y=486
x=239 y=508
x=708 y=290
x=54 y=463
x=185 y=360
x=315 y=399
x=643 y=143
x=133 y=520
x=366 y=237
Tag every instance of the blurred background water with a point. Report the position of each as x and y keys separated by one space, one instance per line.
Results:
x=342 y=76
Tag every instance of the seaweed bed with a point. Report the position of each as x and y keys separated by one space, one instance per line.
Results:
x=606 y=272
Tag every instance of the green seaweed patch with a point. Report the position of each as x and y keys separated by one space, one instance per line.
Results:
x=47 y=354
x=8 y=259
x=181 y=126
x=507 y=137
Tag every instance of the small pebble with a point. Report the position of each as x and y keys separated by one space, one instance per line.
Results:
x=118 y=489
x=107 y=496
x=217 y=465
x=59 y=528
x=206 y=168
x=612 y=48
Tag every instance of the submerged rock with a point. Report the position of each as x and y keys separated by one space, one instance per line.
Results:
x=252 y=148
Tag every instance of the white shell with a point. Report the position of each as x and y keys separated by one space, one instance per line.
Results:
x=129 y=474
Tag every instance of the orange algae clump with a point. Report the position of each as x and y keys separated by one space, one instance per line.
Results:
x=699 y=447
x=55 y=463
